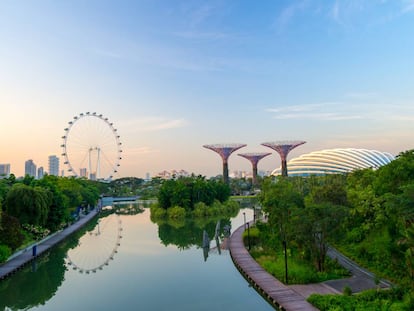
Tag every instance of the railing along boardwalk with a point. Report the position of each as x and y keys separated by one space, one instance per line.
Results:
x=279 y=295
x=26 y=256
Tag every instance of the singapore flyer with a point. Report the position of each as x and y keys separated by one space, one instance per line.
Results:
x=97 y=247
x=91 y=147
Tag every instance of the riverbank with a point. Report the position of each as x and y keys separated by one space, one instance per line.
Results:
x=30 y=253
x=279 y=295
x=293 y=297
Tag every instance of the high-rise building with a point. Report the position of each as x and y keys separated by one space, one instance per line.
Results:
x=30 y=168
x=83 y=172
x=53 y=165
x=40 y=172
x=4 y=170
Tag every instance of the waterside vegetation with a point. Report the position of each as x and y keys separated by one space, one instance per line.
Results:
x=368 y=215
x=31 y=209
x=193 y=196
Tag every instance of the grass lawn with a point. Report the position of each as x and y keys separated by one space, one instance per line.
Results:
x=299 y=271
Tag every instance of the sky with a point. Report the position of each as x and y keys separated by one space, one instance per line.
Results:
x=173 y=76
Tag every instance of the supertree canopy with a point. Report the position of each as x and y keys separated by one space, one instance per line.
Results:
x=254 y=158
x=283 y=148
x=225 y=150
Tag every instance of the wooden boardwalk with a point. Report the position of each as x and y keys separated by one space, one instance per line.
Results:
x=279 y=295
x=26 y=256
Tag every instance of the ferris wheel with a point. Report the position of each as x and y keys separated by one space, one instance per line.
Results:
x=91 y=147
x=97 y=247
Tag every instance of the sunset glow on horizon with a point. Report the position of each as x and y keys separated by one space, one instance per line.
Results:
x=173 y=76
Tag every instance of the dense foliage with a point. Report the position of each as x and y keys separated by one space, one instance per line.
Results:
x=368 y=300
x=304 y=215
x=31 y=209
x=133 y=186
x=367 y=214
x=186 y=192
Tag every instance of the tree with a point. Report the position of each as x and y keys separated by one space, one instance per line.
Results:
x=329 y=189
x=316 y=225
x=279 y=199
x=10 y=232
x=186 y=192
x=58 y=208
x=30 y=205
x=391 y=177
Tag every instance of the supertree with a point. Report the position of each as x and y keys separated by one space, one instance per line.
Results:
x=225 y=150
x=254 y=158
x=283 y=148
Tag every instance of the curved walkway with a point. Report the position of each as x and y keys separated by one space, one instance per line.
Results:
x=25 y=256
x=293 y=297
x=279 y=295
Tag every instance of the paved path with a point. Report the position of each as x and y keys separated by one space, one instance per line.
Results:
x=279 y=295
x=361 y=279
x=26 y=256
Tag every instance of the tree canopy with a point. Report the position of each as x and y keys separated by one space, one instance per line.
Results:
x=186 y=192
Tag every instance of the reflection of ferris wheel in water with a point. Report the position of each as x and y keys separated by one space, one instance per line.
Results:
x=97 y=247
x=91 y=147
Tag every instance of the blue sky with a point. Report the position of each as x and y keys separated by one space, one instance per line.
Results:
x=175 y=75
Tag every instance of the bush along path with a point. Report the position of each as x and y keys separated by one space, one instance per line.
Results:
x=293 y=297
x=29 y=254
x=361 y=278
x=279 y=295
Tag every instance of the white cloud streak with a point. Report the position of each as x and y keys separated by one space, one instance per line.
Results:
x=153 y=124
x=337 y=111
x=288 y=14
x=408 y=6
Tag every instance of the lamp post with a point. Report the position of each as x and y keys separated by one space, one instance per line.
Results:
x=248 y=235
x=244 y=215
x=254 y=213
x=286 y=265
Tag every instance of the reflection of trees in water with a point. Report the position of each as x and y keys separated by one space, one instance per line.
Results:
x=36 y=283
x=129 y=208
x=190 y=232
x=246 y=202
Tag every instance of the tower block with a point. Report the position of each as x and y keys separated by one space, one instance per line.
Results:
x=225 y=150
x=283 y=148
x=254 y=158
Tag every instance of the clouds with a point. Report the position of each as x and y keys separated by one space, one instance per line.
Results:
x=351 y=110
x=407 y=6
x=153 y=124
x=343 y=13
x=320 y=112
x=288 y=13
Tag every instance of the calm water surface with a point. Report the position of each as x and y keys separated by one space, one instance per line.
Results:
x=155 y=267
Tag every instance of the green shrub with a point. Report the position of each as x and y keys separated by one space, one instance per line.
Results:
x=368 y=300
x=176 y=212
x=5 y=253
x=253 y=234
x=157 y=212
x=347 y=291
x=200 y=210
x=10 y=232
x=38 y=232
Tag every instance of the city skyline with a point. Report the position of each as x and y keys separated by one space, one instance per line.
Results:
x=174 y=76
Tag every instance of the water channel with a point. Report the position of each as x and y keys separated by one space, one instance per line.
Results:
x=128 y=262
